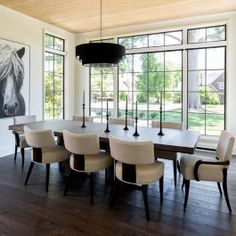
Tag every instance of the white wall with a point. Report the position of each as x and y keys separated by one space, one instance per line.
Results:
x=228 y=18
x=20 y=28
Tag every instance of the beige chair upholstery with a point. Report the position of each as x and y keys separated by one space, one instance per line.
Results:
x=85 y=155
x=135 y=164
x=20 y=141
x=202 y=168
x=120 y=121
x=173 y=157
x=44 y=150
x=80 y=118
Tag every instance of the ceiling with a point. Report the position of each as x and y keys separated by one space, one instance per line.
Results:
x=79 y=16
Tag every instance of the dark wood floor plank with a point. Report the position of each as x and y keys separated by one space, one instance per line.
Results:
x=31 y=211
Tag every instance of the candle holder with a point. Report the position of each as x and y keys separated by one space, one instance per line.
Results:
x=126 y=114
x=136 y=127
x=107 y=129
x=83 y=124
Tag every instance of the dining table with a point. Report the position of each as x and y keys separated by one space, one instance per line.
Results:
x=169 y=144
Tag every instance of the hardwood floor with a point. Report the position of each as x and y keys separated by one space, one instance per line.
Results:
x=31 y=211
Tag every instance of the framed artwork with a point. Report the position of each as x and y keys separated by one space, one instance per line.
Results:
x=14 y=78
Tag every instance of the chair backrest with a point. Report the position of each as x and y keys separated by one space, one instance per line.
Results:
x=120 y=121
x=80 y=118
x=225 y=146
x=132 y=152
x=81 y=143
x=168 y=125
x=23 y=119
x=39 y=138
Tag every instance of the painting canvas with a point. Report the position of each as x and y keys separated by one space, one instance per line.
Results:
x=14 y=78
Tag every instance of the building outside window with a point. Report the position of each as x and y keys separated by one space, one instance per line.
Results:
x=54 y=57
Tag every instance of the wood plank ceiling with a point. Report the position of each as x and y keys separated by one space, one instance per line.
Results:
x=84 y=15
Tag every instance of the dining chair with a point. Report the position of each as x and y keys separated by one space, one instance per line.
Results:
x=120 y=121
x=44 y=150
x=20 y=141
x=80 y=118
x=174 y=156
x=135 y=165
x=203 y=168
x=85 y=156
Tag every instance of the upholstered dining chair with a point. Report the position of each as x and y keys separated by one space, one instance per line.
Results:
x=85 y=156
x=20 y=137
x=174 y=156
x=135 y=165
x=44 y=150
x=120 y=121
x=80 y=118
x=202 y=168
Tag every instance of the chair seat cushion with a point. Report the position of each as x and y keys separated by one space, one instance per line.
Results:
x=205 y=172
x=145 y=173
x=51 y=155
x=90 y=163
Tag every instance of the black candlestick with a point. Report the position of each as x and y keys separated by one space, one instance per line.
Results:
x=107 y=129
x=126 y=114
x=160 y=132
x=136 y=121
x=83 y=124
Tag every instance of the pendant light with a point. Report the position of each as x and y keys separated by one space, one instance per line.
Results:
x=100 y=54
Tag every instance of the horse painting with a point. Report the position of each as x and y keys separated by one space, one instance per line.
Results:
x=11 y=81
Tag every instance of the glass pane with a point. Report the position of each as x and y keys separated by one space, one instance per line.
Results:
x=196 y=59
x=156 y=81
x=48 y=41
x=156 y=40
x=140 y=62
x=156 y=61
x=196 y=80
x=59 y=44
x=173 y=38
x=196 y=121
x=58 y=63
x=196 y=102
x=58 y=100
x=215 y=80
x=214 y=124
x=173 y=101
x=95 y=70
x=96 y=99
x=154 y=100
x=125 y=82
x=96 y=114
x=126 y=42
x=173 y=116
x=197 y=35
x=173 y=81
x=141 y=81
x=108 y=100
x=58 y=82
x=126 y=65
x=140 y=41
x=173 y=60
x=48 y=62
x=215 y=58
x=108 y=82
x=215 y=33
x=215 y=102
x=96 y=82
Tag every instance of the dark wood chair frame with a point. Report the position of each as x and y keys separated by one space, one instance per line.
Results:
x=22 y=150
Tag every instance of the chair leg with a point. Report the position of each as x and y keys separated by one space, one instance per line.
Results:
x=29 y=172
x=114 y=187
x=219 y=187
x=225 y=189
x=22 y=150
x=175 y=171
x=47 y=176
x=91 y=182
x=187 y=185
x=178 y=166
x=145 y=199
x=68 y=180
x=15 y=155
x=161 y=188
x=182 y=187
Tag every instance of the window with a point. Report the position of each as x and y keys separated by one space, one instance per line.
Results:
x=54 y=77
x=101 y=91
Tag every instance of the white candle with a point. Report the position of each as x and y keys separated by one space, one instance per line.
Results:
x=83 y=97
x=136 y=108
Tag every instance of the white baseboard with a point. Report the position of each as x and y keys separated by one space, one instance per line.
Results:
x=6 y=151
